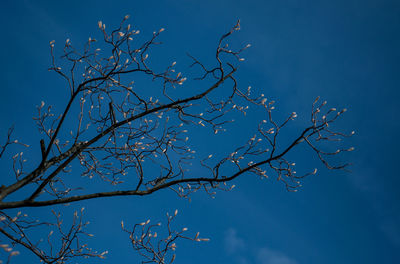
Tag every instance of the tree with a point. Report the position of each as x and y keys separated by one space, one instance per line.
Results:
x=121 y=128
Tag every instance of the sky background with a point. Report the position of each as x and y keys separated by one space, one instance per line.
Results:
x=347 y=52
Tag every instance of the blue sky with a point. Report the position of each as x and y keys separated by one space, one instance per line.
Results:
x=347 y=52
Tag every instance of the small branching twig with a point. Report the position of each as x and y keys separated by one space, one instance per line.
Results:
x=153 y=248
x=63 y=243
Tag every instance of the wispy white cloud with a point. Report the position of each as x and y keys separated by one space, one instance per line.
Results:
x=236 y=246
x=233 y=243
x=266 y=255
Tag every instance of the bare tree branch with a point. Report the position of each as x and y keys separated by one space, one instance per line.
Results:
x=119 y=130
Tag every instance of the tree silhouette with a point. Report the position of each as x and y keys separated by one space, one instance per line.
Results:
x=134 y=137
